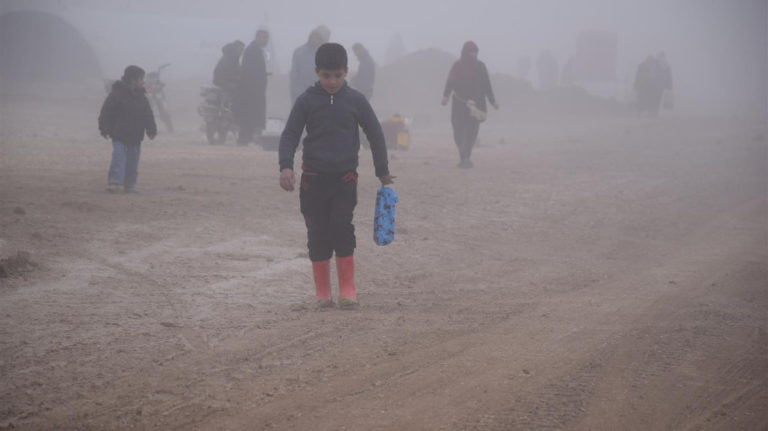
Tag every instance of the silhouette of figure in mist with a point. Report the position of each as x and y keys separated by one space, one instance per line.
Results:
x=470 y=85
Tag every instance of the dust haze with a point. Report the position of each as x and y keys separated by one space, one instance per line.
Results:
x=717 y=49
x=602 y=264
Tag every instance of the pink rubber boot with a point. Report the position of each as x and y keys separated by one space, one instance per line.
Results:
x=345 y=267
x=321 y=272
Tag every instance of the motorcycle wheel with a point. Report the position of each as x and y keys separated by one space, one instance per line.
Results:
x=165 y=116
x=210 y=133
x=223 y=131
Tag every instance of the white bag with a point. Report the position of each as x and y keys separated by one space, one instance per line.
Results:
x=476 y=113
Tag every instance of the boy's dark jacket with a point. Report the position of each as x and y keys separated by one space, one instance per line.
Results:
x=126 y=115
x=333 y=139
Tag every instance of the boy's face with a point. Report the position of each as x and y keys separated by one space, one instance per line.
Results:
x=331 y=80
x=138 y=82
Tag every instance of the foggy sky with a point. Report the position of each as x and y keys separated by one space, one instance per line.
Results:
x=717 y=48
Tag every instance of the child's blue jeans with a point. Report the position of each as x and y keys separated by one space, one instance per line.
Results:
x=124 y=168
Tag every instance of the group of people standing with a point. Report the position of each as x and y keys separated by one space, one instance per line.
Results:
x=126 y=116
x=246 y=84
x=468 y=82
x=330 y=112
x=242 y=73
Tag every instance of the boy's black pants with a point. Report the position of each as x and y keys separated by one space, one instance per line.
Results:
x=327 y=203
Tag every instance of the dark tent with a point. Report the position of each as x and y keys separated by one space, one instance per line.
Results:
x=40 y=46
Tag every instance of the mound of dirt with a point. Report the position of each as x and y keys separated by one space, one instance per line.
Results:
x=15 y=266
x=414 y=86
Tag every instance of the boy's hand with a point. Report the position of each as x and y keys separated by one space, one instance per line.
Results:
x=387 y=179
x=287 y=179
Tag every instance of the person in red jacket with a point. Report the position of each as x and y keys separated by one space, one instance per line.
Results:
x=470 y=85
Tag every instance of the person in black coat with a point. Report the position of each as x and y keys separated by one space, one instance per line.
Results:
x=226 y=75
x=469 y=83
x=250 y=107
x=125 y=118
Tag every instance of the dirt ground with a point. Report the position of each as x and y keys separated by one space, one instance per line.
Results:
x=600 y=274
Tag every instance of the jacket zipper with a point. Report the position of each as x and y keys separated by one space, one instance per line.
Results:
x=331 y=99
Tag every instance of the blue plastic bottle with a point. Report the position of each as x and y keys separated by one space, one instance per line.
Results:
x=384 y=216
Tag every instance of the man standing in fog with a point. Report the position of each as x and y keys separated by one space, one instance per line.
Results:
x=366 y=72
x=302 y=74
x=648 y=86
x=250 y=107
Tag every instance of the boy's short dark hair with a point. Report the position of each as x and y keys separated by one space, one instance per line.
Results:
x=331 y=56
x=132 y=73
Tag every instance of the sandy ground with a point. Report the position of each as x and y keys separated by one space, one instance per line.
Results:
x=590 y=275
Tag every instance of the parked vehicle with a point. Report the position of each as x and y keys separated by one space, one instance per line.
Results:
x=155 y=86
x=216 y=110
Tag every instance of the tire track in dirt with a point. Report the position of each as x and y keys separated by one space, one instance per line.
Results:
x=530 y=304
x=579 y=357
x=680 y=342
x=647 y=351
x=153 y=287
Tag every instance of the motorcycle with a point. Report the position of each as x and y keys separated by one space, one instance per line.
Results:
x=216 y=110
x=154 y=86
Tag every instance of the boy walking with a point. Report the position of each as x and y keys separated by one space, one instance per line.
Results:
x=332 y=113
x=124 y=118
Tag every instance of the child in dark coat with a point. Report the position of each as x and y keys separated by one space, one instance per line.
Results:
x=332 y=113
x=125 y=117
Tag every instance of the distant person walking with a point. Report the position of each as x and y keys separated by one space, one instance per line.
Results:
x=665 y=80
x=366 y=71
x=125 y=117
x=250 y=104
x=302 y=74
x=650 y=83
x=470 y=85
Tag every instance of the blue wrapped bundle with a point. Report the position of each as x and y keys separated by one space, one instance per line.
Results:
x=384 y=216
